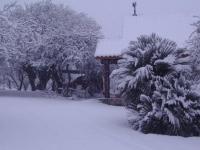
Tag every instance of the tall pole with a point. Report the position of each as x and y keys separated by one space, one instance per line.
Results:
x=134 y=4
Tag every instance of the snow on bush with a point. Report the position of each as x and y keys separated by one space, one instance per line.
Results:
x=155 y=90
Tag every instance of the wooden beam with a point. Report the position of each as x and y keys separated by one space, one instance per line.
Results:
x=71 y=71
x=111 y=61
x=106 y=79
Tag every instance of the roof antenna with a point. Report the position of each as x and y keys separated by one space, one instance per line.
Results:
x=134 y=4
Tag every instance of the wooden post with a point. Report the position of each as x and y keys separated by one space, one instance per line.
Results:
x=106 y=61
x=106 y=78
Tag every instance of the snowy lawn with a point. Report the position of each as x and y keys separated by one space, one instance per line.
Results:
x=58 y=124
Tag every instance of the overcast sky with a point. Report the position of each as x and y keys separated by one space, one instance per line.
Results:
x=110 y=13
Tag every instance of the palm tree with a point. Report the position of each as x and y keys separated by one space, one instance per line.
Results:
x=158 y=94
x=145 y=58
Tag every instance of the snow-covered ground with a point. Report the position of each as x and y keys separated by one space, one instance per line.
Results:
x=58 y=124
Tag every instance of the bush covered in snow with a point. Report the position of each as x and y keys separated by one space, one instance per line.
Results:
x=156 y=90
x=171 y=109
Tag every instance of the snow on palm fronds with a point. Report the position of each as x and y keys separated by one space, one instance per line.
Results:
x=156 y=90
x=172 y=110
x=142 y=61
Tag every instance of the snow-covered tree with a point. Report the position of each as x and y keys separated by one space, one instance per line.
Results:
x=49 y=37
x=7 y=38
x=10 y=68
x=151 y=80
x=144 y=59
x=171 y=109
x=194 y=44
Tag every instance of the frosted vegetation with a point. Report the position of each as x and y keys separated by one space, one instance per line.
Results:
x=42 y=43
x=42 y=39
x=156 y=81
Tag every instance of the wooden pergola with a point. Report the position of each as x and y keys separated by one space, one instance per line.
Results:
x=106 y=61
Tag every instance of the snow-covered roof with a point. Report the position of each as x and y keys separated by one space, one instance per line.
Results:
x=110 y=47
x=176 y=27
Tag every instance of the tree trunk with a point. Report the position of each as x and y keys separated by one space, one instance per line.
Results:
x=31 y=76
x=21 y=82
x=56 y=79
x=44 y=76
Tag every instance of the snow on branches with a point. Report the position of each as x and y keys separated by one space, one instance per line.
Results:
x=44 y=34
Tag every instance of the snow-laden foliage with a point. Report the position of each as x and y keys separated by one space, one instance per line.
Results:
x=154 y=86
x=47 y=37
x=145 y=58
x=194 y=45
x=171 y=109
x=51 y=33
x=7 y=38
